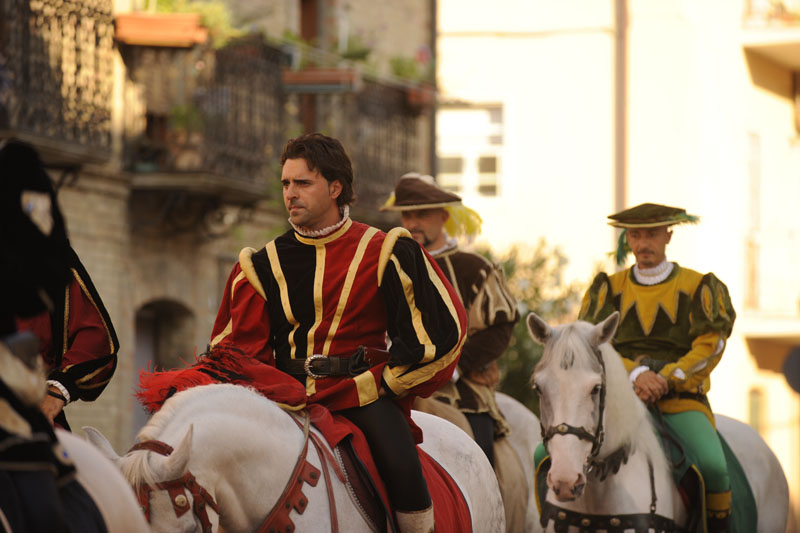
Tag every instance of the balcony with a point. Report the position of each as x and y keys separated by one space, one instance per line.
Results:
x=772 y=30
x=213 y=119
x=380 y=121
x=56 y=78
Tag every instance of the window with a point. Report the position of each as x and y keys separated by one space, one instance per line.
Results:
x=450 y=171
x=487 y=175
x=756 y=409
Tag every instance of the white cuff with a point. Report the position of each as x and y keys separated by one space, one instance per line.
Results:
x=60 y=387
x=638 y=371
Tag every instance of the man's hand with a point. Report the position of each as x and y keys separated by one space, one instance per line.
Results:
x=489 y=376
x=650 y=387
x=52 y=406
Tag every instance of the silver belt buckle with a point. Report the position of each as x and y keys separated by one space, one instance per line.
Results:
x=307 y=366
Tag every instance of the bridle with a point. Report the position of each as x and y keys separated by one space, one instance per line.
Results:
x=278 y=519
x=563 y=518
x=595 y=438
x=177 y=489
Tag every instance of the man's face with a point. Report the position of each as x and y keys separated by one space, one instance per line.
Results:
x=426 y=226
x=309 y=198
x=649 y=245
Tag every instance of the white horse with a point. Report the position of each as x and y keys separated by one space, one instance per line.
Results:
x=242 y=449
x=513 y=456
x=595 y=424
x=97 y=475
x=524 y=438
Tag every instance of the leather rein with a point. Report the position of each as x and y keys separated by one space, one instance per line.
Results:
x=278 y=518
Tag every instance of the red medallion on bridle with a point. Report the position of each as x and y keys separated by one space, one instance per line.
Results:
x=177 y=489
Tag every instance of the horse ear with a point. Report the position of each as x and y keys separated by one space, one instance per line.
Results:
x=101 y=443
x=538 y=328
x=604 y=331
x=175 y=464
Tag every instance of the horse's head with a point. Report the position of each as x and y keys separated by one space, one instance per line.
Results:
x=170 y=496
x=571 y=383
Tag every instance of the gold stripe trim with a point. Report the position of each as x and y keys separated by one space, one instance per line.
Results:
x=229 y=327
x=66 y=320
x=89 y=376
x=319 y=277
x=277 y=273
x=94 y=385
x=311 y=386
x=246 y=263
x=348 y=286
x=89 y=296
x=222 y=334
x=387 y=248
x=367 y=390
x=416 y=315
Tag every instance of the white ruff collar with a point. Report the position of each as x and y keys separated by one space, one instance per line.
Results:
x=652 y=276
x=343 y=211
x=449 y=244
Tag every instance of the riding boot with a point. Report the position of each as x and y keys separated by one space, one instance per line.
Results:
x=415 y=521
x=718 y=506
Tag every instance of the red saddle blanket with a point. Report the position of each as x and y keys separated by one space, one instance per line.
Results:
x=451 y=512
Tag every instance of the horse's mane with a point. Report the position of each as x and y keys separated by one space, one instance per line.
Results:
x=136 y=466
x=627 y=420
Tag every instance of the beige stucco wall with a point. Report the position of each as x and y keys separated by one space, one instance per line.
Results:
x=709 y=127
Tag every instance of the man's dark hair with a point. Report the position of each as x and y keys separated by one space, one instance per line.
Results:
x=327 y=155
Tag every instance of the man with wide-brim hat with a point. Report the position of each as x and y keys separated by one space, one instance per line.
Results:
x=674 y=323
x=435 y=217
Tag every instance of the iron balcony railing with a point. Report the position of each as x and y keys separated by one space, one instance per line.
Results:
x=56 y=76
x=217 y=112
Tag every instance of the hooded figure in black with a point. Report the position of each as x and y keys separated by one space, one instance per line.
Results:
x=52 y=295
x=38 y=490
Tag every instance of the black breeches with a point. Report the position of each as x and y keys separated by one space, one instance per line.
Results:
x=482 y=426
x=394 y=452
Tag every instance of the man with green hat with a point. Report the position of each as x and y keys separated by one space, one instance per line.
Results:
x=434 y=217
x=674 y=323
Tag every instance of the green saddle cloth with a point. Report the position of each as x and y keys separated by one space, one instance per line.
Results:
x=744 y=515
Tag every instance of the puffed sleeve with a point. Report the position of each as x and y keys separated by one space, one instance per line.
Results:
x=491 y=318
x=425 y=320
x=598 y=304
x=711 y=317
x=91 y=345
x=242 y=319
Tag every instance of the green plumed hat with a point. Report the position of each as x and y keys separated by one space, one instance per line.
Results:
x=646 y=216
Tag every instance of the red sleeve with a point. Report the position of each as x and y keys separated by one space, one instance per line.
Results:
x=242 y=319
x=90 y=358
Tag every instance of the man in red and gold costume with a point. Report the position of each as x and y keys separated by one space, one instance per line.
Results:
x=319 y=301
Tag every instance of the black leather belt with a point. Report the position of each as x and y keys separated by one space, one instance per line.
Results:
x=320 y=366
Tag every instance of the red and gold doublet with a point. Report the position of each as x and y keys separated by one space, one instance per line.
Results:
x=300 y=296
x=77 y=340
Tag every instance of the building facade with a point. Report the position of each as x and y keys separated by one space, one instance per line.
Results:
x=574 y=110
x=164 y=146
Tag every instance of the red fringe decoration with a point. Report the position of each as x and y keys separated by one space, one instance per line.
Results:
x=223 y=364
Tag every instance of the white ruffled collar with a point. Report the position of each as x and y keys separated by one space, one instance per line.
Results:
x=449 y=244
x=652 y=276
x=343 y=211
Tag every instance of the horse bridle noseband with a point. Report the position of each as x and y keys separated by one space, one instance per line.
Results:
x=595 y=438
x=177 y=489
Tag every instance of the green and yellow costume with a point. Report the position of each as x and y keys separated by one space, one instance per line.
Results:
x=678 y=329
